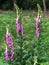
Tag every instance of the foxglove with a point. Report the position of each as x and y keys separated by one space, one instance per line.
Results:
x=9 y=40
x=37 y=27
x=19 y=27
x=12 y=54
x=22 y=30
x=7 y=55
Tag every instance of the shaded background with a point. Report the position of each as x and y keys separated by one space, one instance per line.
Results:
x=24 y=4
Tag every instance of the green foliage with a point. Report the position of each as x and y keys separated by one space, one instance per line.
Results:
x=30 y=40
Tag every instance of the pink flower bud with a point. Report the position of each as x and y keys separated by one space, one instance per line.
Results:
x=18 y=28
x=17 y=20
x=22 y=30
x=9 y=40
x=12 y=56
x=7 y=55
x=37 y=27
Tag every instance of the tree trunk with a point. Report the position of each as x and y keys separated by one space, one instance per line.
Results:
x=44 y=5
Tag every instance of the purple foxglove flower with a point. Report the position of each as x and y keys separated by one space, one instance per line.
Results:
x=9 y=40
x=22 y=30
x=17 y=20
x=18 y=28
x=12 y=56
x=37 y=33
x=7 y=55
x=37 y=27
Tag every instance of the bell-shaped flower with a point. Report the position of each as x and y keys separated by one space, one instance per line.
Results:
x=7 y=55
x=9 y=39
x=37 y=27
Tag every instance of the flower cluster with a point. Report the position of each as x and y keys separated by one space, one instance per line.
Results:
x=10 y=44
x=9 y=40
x=7 y=55
x=37 y=27
x=19 y=27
